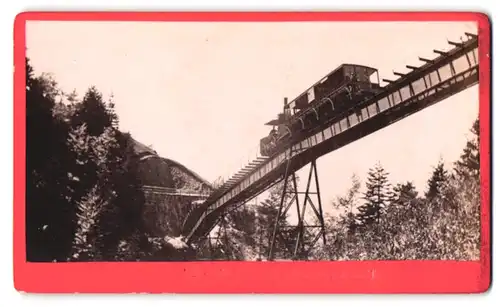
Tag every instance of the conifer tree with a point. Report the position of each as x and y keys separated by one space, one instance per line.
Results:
x=437 y=181
x=468 y=164
x=89 y=210
x=376 y=196
x=94 y=112
x=105 y=164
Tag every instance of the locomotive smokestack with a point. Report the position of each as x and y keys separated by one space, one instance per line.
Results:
x=285 y=101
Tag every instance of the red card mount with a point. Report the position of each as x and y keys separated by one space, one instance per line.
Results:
x=306 y=129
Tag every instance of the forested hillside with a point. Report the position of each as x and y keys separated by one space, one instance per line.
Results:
x=84 y=200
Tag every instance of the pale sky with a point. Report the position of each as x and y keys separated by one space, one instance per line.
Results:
x=200 y=93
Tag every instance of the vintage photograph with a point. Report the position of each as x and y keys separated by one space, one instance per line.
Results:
x=252 y=141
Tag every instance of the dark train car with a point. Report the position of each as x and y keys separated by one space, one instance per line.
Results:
x=347 y=80
x=366 y=78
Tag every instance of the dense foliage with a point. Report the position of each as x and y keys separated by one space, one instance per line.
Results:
x=83 y=198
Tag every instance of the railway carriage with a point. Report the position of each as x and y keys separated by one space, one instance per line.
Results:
x=328 y=97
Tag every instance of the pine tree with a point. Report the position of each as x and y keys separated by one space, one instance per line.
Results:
x=94 y=112
x=376 y=196
x=468 y=164
x=437 y=181
x=90 y=208
x=88 y=122
x=106 y=163
x=89 y=189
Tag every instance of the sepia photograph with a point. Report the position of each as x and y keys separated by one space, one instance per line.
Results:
x=252 y=141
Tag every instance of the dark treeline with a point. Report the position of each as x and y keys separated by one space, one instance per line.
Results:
x=83 y=198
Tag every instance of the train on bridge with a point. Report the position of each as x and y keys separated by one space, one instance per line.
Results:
x=343 y=107
x=332 y=95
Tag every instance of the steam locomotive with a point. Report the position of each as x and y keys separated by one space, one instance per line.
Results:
x=331 y=96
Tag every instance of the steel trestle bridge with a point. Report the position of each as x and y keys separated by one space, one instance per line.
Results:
x=437 y=79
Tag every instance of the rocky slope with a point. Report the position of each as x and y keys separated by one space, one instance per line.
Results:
x=165 y=213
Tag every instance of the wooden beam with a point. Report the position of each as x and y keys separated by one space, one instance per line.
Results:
x=439 y=52
x=425 y=60
x=455 y=44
